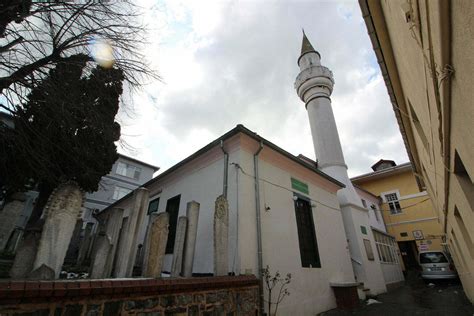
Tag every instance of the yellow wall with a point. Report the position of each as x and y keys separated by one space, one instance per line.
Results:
x=427 y=60
x=417 y=212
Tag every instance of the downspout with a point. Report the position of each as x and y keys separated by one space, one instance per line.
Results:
x=445 y=84
x=259 y=228
x=226 y=169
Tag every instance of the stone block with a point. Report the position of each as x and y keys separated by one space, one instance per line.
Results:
x=73 y=310
x=177 y=311
x=193 y=310
x=184 y=299
x=199 y=298
x=41 y=312
x=167 y=301
x=93 y=310
x=211 y=298
x=152 y=303
x=129 y=305
x=112 y=308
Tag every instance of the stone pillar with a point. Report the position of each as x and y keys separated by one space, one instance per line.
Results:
x=129 y=234
x=221 y=232
x=156 y=245
x=85 y=244
x=192 y=213
x=177 y=264
x=105 y=244
x=61 y=213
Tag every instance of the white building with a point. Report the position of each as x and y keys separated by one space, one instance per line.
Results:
x=125 y=175
x=304 y=212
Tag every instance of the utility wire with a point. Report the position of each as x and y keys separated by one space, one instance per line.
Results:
x=316 y=201
x=408 y=206
x=285 y=188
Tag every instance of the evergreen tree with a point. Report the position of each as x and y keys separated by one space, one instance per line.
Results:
x=65 y=131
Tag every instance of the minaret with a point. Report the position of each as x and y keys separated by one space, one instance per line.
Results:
x=314 y=86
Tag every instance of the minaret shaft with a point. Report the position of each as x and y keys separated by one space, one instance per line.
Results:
x=314 y=86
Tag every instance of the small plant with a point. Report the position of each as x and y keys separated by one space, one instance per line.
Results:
x=275 y=283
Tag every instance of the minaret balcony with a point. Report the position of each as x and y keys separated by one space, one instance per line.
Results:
x=314 y=78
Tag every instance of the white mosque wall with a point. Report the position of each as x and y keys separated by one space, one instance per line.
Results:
x=374 y=210
x=310 y=288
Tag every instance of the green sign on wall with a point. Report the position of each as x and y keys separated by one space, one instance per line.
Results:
x=363 y=230
x=300 y=186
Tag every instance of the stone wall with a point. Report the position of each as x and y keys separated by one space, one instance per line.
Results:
x=187 y=296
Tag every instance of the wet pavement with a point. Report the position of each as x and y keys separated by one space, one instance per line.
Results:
x=416 y=298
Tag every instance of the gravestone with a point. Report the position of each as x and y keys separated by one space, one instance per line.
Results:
x=156 y=244
x=61 y=214
x=9 y=217
x=129 y=234
x=221 y=232
x=192 y=214
x=85 y=244
x=177 y=264
x=105 y=244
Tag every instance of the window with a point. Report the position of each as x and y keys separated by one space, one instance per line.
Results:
x=393 y=204
x=464 y=231
x=120 y=192
x=465 y=181
x=127 y=170
x=433 y=257
x=153 y=206
x=306 y=234
x=364 y=203
x=368 y=250
x=376 y=212
x=363 y=230
x=386 y=247
x=172 y=207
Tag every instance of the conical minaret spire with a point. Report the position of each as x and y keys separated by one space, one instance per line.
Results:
x=306 y=46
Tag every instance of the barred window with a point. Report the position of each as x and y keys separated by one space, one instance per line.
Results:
x=306 y=234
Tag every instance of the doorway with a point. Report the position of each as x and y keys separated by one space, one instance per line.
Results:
x=409 y=253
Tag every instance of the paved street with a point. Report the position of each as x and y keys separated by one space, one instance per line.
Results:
x=417 y=298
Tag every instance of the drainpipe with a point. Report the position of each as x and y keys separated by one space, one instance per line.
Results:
x=259 y=228
x=445 y=85
x=226 y=167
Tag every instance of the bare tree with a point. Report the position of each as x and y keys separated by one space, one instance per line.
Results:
x=35 y=36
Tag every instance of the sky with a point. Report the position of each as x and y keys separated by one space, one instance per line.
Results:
x=224 y=63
